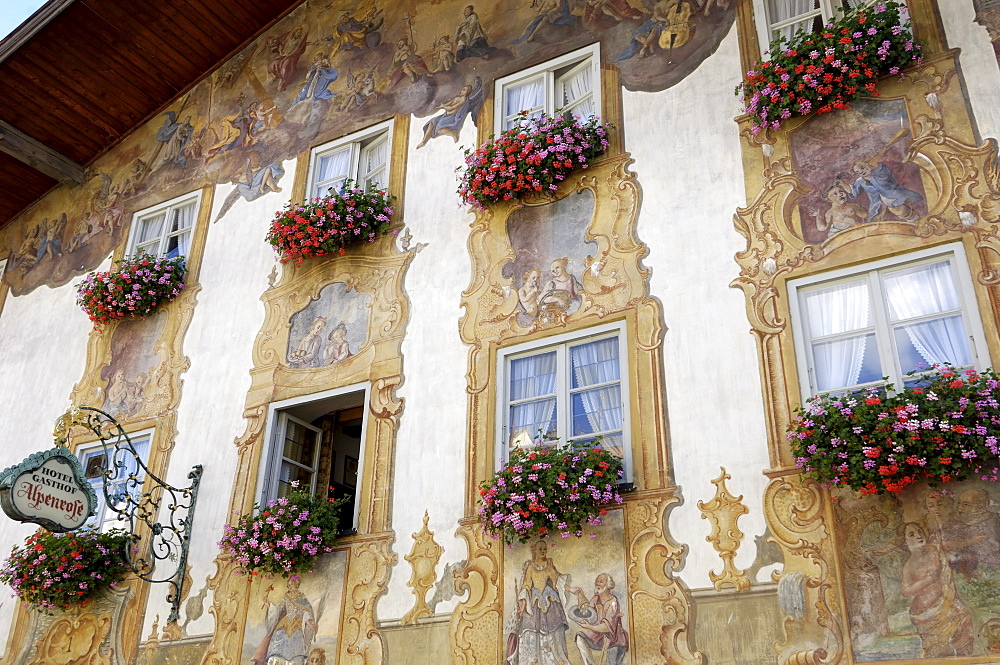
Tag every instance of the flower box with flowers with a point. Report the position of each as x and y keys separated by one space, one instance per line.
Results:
x=284 y=537
x=61 y=571
x=135 y=288
x=530 y=158
x=329 y=225
x=545 y=491
x=826 y=70
x=943 y=429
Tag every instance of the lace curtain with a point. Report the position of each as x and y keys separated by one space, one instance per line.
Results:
x=833 y=310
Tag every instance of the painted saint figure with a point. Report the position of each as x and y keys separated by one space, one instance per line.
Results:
x=530 y=289
x=470 y=38
x=175 y=136
x=287 y=48
x=291 y=628
x=555 y=12
x=540 y=618
x=562 y=289
x=252 y=185
x=974 y=537
x=602 y=637
x=883 y=191
x=942 y=620
x=319 y=77
x=308 y=352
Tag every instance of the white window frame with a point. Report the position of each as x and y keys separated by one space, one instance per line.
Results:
x=110 y=519
x=267 y=474
x=358 y=142
x=588 y=56
x=765 y=26
x=167 y=207
x=885 y=340
x=561 y=344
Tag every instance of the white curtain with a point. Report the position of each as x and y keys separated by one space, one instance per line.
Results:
x=783 y=10
x=925 y=291
x=597 y=363
x=833 y=310
x=524 y=96
x=331 y=171
x=576 y=92
x=534 y=376
x=151 y=228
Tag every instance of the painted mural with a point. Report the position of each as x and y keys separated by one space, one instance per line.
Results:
x=132 y=371
x=922 y=574
x=855 y=164
x=296 y=620
x=333 y=67
x=566 y=600
x=550 y=256
x=330 y=329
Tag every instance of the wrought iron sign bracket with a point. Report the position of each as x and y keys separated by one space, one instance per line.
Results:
x=138 y=496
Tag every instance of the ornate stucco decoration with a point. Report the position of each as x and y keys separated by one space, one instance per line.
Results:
x=422 y=559
x=723 y=512
x=960 y=188
x=613 y=286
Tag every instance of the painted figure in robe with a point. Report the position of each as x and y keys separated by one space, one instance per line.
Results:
x=540 y=637
x=602 y=637
x=291 y=628
x=470 y=38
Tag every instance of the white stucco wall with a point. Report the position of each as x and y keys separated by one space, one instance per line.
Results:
x=43 y=346
x=686 y=150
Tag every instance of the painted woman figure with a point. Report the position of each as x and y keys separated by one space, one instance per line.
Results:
x=942 y=621
x=309 y=351
x=338 y=348
x=540 y=617
x=291 y=627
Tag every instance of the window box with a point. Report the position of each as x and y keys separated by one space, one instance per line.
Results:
x=135 y=288
x=827 y=68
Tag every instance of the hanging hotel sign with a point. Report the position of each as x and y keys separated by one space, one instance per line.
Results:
x=48 y=488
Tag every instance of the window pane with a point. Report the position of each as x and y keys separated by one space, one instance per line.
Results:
x=529 y=420
x=178 y=245
x=324 y=190
x=576 y=91
x=596 y=411
x=836 y=309
x=291 y=473
x=931 y=342
x=847 y=362
x=300 y=444
x=595 y=362
x=920 y=291
x=533 y=376
x=150 y=227
x=783 y=12
x=149 y=248
x=613 y=442
x=331 y=169
x=182 y=217
x=524 y=96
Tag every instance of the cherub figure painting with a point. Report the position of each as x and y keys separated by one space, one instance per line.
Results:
x=330 y=329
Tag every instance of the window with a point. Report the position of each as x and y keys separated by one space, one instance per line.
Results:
x=318 y=442
x=567 y=388
x=855 y=327
x=362 y=157
x=570 y=84
x=165 y=230
x=126 y=478
x=783 y=18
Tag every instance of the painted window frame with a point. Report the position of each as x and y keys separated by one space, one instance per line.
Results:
x=882 y=327
x=105 y=518
x=561 y=344
x=565 y=66
x=346 y=397
x=359 y=143
x=193 y=199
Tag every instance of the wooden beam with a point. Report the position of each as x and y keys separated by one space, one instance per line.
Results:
x=39 y=156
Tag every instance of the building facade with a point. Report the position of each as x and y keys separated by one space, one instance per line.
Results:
x=707 y=269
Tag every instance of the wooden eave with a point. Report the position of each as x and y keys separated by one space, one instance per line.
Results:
x=80 y=75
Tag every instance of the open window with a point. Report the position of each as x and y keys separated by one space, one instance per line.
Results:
x=567 y=388
x=318 y=443
x=125 y=478
x=570 y=84
x=855 y=326
x=362 y=157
